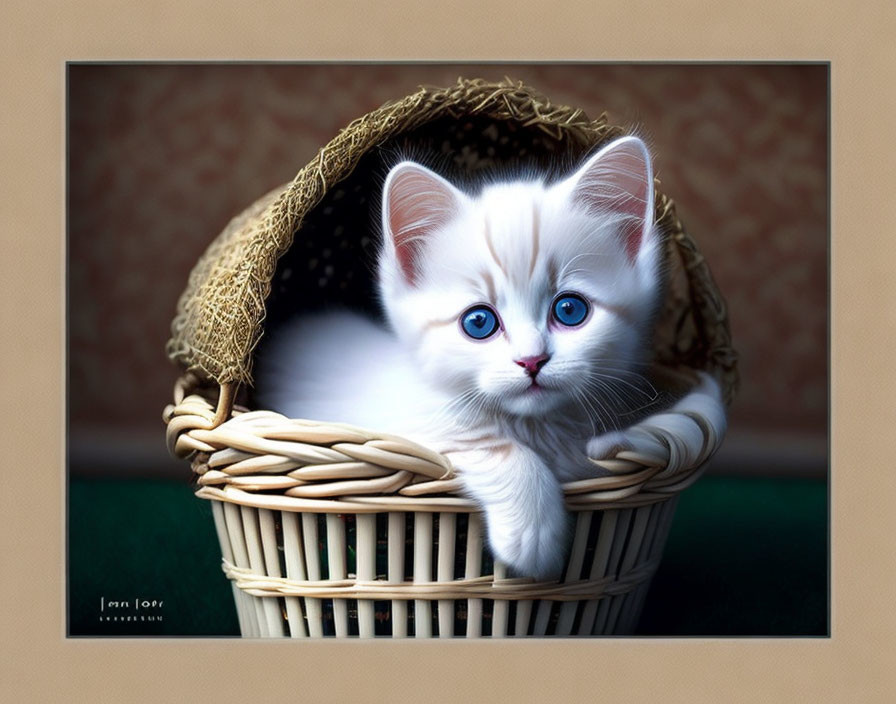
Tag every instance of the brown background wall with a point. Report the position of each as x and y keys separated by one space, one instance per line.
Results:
x=161 y=156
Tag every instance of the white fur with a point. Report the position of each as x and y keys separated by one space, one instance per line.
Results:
x=521 y=243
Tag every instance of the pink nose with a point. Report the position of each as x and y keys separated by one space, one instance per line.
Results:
x=533 y=365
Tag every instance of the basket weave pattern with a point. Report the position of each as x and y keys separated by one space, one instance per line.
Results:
x=271 y=480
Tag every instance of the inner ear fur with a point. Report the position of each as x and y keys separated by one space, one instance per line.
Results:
x=619 y=179
x=416 y=202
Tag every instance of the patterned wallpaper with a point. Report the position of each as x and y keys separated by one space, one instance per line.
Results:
x=161 y=156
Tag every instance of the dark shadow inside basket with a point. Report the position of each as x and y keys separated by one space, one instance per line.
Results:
x=332 y=261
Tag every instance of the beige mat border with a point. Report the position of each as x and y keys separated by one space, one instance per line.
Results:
x=854 y=665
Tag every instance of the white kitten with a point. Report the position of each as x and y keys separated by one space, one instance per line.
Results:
x=520 y=318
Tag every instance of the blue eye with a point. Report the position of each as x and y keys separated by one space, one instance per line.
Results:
x=479 y=322
x=570 y=309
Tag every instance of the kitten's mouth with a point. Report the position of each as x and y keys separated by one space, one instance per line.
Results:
x=533 y=399
x=536 y=389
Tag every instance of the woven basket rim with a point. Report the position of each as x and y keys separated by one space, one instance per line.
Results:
x=265 y=460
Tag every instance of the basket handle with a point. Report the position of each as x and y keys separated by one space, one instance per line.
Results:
x=226 y=399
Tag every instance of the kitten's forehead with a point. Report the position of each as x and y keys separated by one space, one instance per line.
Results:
x=518 y=244
x=524 y=235
x=511 y=231
x=499 y=246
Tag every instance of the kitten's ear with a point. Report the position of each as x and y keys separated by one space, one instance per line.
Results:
x=415 y=203
x=619 y=179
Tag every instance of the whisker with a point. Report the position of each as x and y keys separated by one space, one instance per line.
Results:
x=581 y=399
x=607 y=391
x=652 y=393
x=565 y=270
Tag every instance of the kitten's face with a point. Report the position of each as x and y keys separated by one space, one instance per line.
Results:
x=526 y=298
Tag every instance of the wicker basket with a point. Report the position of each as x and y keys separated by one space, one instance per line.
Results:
x=328 y=529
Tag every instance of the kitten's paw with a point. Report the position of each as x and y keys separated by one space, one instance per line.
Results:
x=532 y=548
x=526 y=520
x=608 y=445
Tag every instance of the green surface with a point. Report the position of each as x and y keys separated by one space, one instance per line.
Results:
x=745 y=557
x=147 y=540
